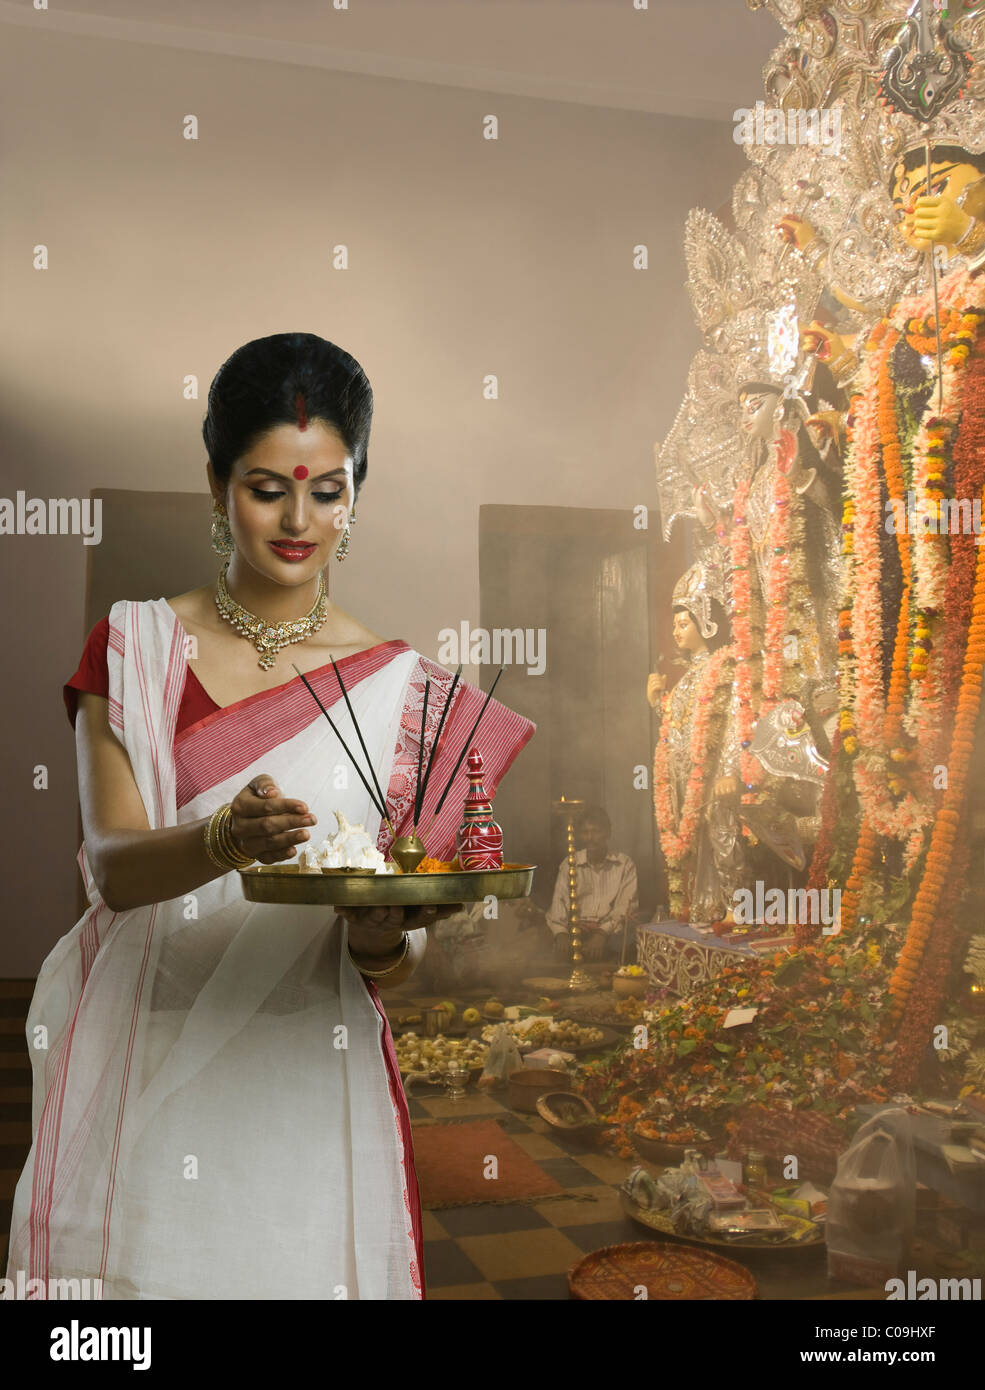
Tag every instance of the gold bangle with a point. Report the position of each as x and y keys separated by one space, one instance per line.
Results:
x=229 y=845
x=379 y=974
x=219 y=844
x=213 y=855
x=213 y=845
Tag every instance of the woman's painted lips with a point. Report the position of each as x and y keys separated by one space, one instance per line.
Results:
x=292 y=550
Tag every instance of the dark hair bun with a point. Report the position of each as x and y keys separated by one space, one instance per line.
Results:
x=257 y=388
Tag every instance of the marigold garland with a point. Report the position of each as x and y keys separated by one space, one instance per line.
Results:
x=964 y=394
x=896 y=735
x=945 y=833
x=746 y=655
x=891 y=807
x=678 y=841
x=898 y=731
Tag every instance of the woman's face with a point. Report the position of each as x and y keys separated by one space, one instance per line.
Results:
x=294 y=486
x=686 y=633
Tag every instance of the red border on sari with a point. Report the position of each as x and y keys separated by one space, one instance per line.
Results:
x=234 y=736
x=398 y=1098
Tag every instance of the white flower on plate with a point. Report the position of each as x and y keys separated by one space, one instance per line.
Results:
x=349 y=848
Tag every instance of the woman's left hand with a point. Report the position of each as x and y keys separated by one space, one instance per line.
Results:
x=378 y=931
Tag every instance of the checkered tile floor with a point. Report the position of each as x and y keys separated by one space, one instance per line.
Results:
x=517 y=1251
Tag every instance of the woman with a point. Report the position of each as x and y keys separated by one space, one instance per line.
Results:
x=217 y=1106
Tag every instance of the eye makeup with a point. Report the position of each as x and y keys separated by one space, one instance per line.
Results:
x=266 y=495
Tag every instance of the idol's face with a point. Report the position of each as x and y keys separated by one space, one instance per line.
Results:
x=686 y=633
x=946 y=178
x=288 y=500
x=756 y=411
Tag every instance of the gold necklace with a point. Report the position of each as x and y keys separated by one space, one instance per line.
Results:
x=269 y=638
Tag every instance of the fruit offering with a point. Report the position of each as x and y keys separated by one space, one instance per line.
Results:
x=438 y=1054
x=563 y=1035
x=663 y=1133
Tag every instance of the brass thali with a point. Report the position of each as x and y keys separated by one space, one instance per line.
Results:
x=285 y=883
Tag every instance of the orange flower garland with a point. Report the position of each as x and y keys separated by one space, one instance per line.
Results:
x=936 y=895
x=862 y=865
x=745 y=616
x=888 y=733
x=898 y=731
x=945 y=832
x=712 y=688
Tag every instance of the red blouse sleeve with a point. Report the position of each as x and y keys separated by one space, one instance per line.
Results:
x=93 y=672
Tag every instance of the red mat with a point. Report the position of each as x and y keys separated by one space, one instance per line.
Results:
x=451 y=1161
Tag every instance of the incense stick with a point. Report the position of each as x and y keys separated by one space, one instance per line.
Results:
x=376 y=805
x=420 y=751
x=362 y=742
x=465 y=748
x=437 y=738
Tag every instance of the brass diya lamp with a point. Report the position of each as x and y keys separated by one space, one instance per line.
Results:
x=408 y=851
x=579 y=980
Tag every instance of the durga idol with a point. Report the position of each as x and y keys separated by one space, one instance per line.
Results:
x=697 y=757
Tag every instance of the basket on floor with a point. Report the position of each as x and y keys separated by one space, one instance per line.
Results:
x=663 y=1270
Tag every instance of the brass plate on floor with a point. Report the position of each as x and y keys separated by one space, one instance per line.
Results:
x=660 y=1221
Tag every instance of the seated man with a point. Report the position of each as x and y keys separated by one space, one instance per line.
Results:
x=606 y=891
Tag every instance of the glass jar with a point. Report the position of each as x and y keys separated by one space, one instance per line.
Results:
x=755 y=1169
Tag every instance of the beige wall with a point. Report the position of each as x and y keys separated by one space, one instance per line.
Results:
x=467 y=257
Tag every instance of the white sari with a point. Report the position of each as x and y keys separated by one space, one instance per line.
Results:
x=217 y=1110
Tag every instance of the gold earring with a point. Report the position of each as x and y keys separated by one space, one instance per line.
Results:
x=343 y=547
x=222 y=537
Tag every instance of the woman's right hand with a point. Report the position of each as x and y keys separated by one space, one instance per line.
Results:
x=267 y=824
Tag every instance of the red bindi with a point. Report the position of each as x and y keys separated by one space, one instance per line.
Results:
x=300 y=471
